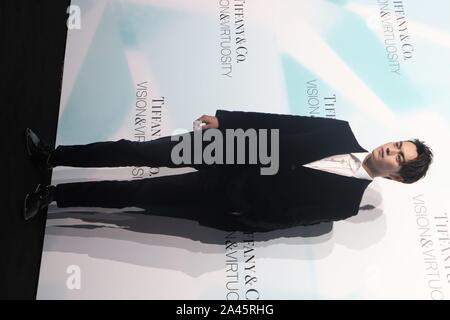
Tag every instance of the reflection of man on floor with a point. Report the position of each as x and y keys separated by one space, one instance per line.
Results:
x=323 y=173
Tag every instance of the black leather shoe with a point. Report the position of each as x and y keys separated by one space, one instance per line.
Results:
x=39 y=151
x=38 y=200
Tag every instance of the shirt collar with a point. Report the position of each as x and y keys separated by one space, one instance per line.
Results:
x=361 y=172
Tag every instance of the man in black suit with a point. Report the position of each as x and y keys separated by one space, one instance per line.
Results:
x=322 y=175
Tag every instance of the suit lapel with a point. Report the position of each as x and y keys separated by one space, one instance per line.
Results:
x=321 y=143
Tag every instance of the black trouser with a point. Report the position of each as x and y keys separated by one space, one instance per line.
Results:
x=204 y=187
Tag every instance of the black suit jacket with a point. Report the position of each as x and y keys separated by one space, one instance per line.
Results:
x=296 y=195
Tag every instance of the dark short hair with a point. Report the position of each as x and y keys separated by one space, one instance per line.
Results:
x=417 y=168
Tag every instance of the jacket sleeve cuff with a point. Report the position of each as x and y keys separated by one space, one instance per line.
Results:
x=223 y=118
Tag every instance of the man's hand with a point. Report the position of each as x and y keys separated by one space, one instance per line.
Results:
x=209 y=122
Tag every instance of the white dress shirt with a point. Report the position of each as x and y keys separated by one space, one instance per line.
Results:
x=349 y=165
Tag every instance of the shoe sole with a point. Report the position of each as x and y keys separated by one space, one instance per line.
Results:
x=27 y=133
x=25 y=204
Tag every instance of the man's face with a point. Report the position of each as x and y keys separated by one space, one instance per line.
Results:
x=387 y=159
